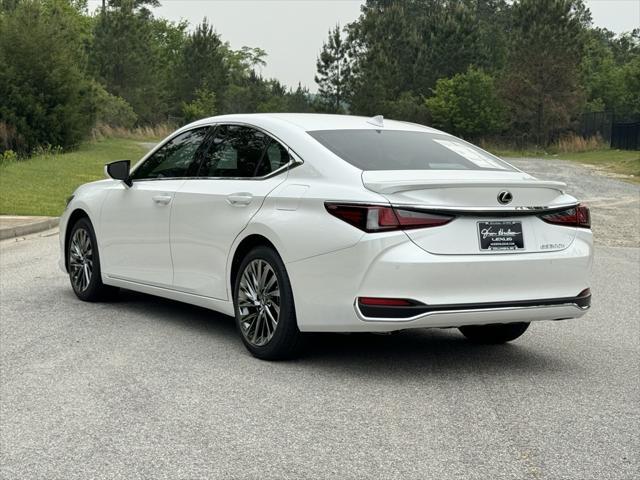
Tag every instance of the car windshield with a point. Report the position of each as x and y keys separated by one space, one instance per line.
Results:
x=406 y=150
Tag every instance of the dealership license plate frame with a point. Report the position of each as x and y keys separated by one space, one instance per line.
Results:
x=512 y=240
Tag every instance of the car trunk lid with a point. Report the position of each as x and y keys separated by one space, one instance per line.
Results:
x=473 y=196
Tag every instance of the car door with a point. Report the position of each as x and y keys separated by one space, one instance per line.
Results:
x=135 y=220
x=241 y=167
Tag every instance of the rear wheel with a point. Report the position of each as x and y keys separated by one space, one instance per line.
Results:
x=263 y=301
x=84 y=264
x=495 y=333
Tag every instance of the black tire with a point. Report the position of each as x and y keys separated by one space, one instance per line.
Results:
x=494 y=333
x=286 y=340
x=93 y=290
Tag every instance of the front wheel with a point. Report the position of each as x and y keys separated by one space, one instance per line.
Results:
x=263 y=301
x=495 y=333
x=83 y=261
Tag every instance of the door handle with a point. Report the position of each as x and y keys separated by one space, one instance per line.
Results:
x=162 y=199
x=239 y=199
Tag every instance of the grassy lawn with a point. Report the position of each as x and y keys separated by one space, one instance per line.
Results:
x=625 y=162
x=41 y=184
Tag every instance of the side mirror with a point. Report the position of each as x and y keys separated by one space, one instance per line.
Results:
x=119 y=170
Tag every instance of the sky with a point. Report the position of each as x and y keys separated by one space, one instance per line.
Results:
x=292 y=31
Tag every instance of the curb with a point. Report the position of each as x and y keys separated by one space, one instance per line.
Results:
x=29 y=226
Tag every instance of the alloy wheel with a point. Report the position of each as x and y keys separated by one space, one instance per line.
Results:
x=81 y=259
x=258 y=302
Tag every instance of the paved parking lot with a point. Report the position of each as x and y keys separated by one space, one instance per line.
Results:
x=149 y=388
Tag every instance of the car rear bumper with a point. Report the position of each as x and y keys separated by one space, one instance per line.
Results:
x=455 y=290
x=375 y=313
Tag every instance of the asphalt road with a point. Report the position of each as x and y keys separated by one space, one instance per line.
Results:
x=154 y=389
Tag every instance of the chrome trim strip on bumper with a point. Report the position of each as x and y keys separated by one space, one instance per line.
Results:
x=422 y=315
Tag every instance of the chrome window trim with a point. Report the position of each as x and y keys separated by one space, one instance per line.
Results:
x=295 y=161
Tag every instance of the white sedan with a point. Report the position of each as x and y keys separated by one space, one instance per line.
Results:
x=299 y=223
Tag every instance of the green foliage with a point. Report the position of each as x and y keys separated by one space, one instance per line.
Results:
x=204 y=105
x=126 y=56
x=8 y=156
x=45 y=93
x=400 y=47
x=202 y=64
x=407 y=107
x=64 y=69
x=113 y=111
x=609 y=71
x=333 y=72
x=631 y=85
x=467 y=105
x=541 y=84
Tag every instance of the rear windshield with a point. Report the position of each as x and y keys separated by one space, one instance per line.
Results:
x=405 y=150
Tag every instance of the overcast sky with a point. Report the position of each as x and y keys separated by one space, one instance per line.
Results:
x=292 y=31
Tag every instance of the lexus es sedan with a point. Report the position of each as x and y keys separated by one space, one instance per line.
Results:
x=299 y=223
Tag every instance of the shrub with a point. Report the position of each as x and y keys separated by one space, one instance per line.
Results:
x=467 y=105
x=8 y=156
x=204 y=105
x=112 y=110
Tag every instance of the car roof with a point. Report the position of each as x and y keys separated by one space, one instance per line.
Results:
x=317 y=121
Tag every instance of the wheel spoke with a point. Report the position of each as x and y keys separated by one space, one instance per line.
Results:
x=272 y=281
x=272 y=319
x=274 y=293
x=258 y=323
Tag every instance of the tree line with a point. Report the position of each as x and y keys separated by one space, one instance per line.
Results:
x=65 y=70
x=521 y=70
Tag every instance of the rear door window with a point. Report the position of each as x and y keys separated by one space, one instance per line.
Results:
x=406 y=150
x=238 y=151
x=235 y=152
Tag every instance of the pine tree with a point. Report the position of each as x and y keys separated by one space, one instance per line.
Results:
x=333 y=71
x=541 y=83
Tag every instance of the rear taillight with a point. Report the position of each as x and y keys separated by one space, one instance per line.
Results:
x=572 y=217
x=378 y=218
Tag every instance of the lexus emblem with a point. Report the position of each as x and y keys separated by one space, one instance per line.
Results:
x=505 y=197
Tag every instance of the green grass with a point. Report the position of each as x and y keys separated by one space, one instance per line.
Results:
x=624 y=162
x=40 y=185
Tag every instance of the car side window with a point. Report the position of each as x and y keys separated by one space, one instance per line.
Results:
x=175 y=159
x=238 y=151
x=275 y=157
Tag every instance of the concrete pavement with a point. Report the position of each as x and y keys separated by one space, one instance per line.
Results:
x=149 y=388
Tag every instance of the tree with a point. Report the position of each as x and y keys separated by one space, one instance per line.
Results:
x=541 y=81
x=467 y=105
x=202 y=64
x=125 y=57
x=204 y=105
x=299 y=100
x=400 y=49
x=333 y=71
x=46 y=96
